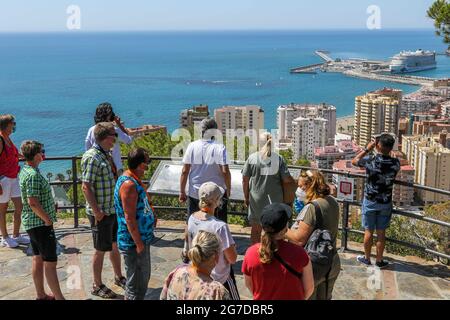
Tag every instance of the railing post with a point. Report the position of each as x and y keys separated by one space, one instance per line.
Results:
x=345 y=215
x=75 y=191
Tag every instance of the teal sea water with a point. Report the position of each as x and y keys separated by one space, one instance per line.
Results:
x=53 y=82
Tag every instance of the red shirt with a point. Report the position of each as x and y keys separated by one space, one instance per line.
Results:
x=9 y=161
x=273 y=281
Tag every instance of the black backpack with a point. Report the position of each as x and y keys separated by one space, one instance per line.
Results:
x=320 y=247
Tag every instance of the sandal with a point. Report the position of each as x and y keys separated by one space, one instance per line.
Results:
x=103 y=292
x=121 y=282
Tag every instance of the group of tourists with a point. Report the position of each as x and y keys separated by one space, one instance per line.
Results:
x=293 y=254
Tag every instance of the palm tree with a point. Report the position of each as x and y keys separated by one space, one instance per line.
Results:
x=60 y=177
x=49 y=176
x=440 y=13
x=69 y=174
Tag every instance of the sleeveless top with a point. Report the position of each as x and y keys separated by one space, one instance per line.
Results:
x=145 y=218
x=9 y=160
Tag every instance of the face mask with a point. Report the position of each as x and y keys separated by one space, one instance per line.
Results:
x=301 y=194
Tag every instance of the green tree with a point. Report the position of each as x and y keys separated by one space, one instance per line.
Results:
x=303 y=162
x=440 y=13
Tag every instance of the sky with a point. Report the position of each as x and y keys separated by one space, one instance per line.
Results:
x=159 y=15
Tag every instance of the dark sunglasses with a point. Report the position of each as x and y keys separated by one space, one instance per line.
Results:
x=42 y=151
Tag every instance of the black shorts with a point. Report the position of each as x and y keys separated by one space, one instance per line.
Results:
x=104 y=233
x=43 y=243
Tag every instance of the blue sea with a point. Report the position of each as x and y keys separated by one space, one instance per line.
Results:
x=53 y=82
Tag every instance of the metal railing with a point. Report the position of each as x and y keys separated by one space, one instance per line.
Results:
x=345 y=229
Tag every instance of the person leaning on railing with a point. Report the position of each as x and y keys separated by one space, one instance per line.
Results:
x=9 y=183
x=136 y=222
x=38 y=216
x=376 y=210
x=194 y=281
x=314 y=191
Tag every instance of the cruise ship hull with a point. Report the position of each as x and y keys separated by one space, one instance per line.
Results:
x=402 y=69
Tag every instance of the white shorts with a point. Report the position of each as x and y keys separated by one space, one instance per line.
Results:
x=11 y=189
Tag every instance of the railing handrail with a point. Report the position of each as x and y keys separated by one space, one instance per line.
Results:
x=346 y=204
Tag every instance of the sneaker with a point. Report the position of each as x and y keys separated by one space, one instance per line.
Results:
x=363 y=260
x=9 y=243
x=382 y=264
x=22 y=239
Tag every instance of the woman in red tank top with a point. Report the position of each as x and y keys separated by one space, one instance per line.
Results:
x=9 y=182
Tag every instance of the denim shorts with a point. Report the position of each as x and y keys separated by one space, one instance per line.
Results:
x=376 y=216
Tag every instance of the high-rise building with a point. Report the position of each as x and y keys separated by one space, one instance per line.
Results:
x=376 y=112
x=189 y=117
x=413 y=103
x=239 y=117
x=308 y=134
x=431 y=161
x=286 y=114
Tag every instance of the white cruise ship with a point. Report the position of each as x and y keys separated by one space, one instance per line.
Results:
x=408 y=61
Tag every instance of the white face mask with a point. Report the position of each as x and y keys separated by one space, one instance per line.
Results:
x=301 y=194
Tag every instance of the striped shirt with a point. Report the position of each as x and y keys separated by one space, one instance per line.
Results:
x=97 y=171
x=33 y=184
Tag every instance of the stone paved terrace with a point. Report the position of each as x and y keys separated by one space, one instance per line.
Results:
x=406 y=278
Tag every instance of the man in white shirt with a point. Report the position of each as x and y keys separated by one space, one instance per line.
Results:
x=205 y=160
x=105 y=113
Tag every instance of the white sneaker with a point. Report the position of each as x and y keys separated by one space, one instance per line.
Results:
x=22 y=239
x=9 y=243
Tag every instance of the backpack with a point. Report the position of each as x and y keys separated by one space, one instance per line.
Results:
x=320 y=247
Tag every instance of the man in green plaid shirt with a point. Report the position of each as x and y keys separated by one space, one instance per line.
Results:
x=38 y=216
x=99 y=176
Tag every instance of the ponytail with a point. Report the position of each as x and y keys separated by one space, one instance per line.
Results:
x=265 y=139
x=267 y=248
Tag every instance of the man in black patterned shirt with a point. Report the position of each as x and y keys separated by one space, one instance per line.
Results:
x=381 y=170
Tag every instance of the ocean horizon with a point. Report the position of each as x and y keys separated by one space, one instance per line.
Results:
x=52 y=82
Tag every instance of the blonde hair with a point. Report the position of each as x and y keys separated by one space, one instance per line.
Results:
x=317 y=186
x=268 y=247
x=265 y=141
x=204 y=246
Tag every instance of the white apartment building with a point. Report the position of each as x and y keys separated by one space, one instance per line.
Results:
x=308 y=134
x=239 y=117
x=413 y=103
x=286 y=114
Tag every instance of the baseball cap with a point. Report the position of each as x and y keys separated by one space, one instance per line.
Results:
x=210 y=191
x=275 y=217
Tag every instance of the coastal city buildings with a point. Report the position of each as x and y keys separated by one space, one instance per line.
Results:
x=308 y=134
x=430 y=157
x=239 y=117
x=325 y=157
x=434 y=126
x=188 y=117
x=286 y=114
x=146 y=129
x=414 y=102
x=376 y=112
x=445 y=109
